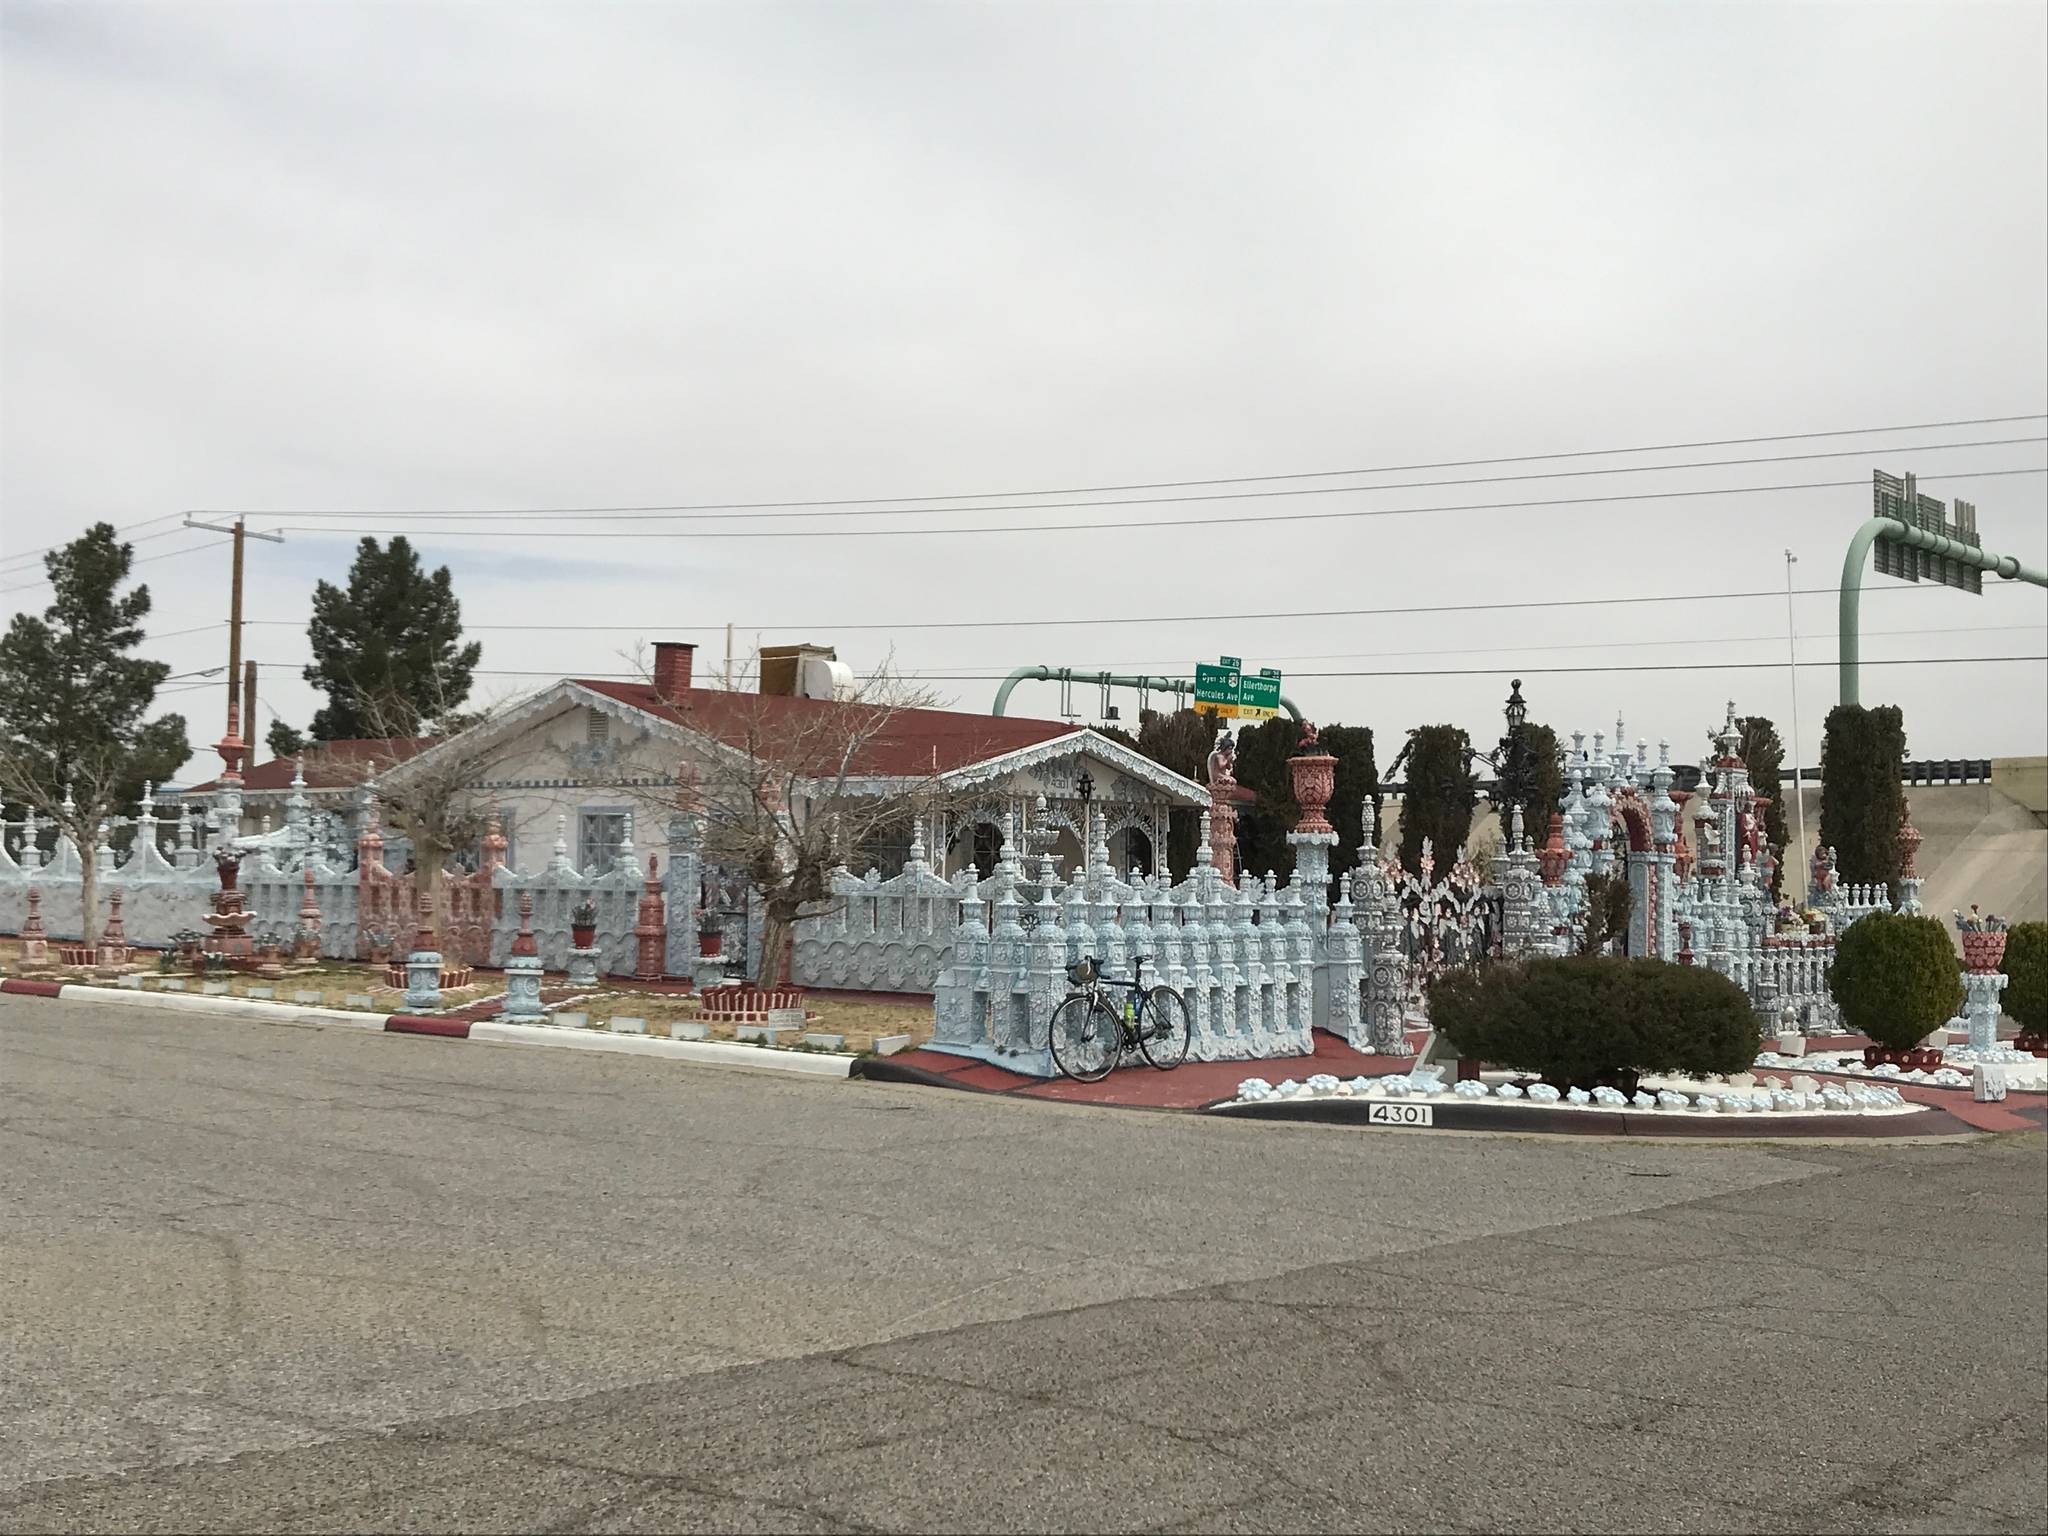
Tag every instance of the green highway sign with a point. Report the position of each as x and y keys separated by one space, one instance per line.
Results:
x=1218 y=687
x=1260 y=696
x=1901 y=500
x=1222 y=688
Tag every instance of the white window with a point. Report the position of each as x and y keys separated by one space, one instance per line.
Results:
x=600 y=833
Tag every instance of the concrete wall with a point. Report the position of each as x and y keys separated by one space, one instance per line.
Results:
x=2024 y=781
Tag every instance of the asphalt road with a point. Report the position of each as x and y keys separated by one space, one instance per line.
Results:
x=270 y=1278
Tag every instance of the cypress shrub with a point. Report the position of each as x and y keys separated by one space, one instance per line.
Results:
x=1590 y=1019
x=1896 y=978
x=1441 y=793
x=1862 y=805
x=2026 y=968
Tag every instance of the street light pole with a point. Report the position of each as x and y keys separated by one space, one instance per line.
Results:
x=1792 y=658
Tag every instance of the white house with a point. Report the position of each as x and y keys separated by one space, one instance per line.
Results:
x=593 y=762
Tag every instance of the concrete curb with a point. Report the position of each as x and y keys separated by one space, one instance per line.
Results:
x=713 y=1053
x=719 y=1053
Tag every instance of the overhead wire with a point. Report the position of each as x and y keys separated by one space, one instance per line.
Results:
x=1145 y=485
x=1263 y=519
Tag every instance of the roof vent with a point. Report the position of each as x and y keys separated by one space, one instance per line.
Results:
x=804 y=672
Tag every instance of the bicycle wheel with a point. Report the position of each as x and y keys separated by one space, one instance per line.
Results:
x=1164 y=1035
x=1086 y=1038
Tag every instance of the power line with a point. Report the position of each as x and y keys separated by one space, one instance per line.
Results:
x=171 y=554
x=1651 y=666
x=648 y=514
x=29 y=554
x=1149 y=485
x=1080 y=673
x=1101 y=527
x=1186 y=618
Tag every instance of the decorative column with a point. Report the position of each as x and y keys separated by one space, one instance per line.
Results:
x=1315 y=779
x=113 y=954
x=1222 y=824
x=1909 y=851
x=1983 y=949
x=522 y=968
x=306 y=945
x=35 y=940
x=652 y=928
x=423 y=963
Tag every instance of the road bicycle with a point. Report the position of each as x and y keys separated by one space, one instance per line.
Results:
x=1090 y=1035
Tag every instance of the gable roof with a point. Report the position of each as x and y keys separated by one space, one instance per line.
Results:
x=911 y=742
x=329 y=764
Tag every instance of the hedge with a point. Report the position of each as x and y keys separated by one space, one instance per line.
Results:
x=2026 y=968
x=1590 y=1019
x=1862 y=805
x=1896 y=978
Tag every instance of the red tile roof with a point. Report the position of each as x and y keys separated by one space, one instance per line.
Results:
x=911 y=741
x=329 y=764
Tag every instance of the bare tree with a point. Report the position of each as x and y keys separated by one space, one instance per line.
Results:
x=790 y=788
x=75 y=807
x=439 y=796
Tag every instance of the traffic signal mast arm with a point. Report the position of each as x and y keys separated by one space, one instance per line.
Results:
x=1917 y=538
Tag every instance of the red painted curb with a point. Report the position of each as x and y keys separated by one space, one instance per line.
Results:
x=31 y=988
x=408 y=1024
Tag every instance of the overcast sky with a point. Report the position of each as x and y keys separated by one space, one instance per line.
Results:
x=420 y=257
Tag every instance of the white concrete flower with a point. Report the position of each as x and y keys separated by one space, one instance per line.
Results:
x=1322 y=1082
x=1644 y=1099
x=1471 y=1088
x=1543 y=1093
x=1669 y=1100
x=1288 y=1089
x=1577 y=1096
x=1507 y=1091
x=1426 y=1079
x=1949 y=1077
x=1359 y=1085
x=1254 y=1088
x=1609 y=1096
x=1397 y=1087
x=1885 y=1069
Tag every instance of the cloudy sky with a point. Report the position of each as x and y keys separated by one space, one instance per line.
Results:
x=404 y=259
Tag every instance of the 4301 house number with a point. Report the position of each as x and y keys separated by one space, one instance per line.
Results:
x=1400 y=1114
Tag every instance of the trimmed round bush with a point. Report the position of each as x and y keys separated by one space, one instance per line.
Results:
x=1591 y=1018
x=1896 y=978
x=2026 y=969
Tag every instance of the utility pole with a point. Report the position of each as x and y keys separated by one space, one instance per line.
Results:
x=1792 y=657
x=233 y=739
x=249 y=704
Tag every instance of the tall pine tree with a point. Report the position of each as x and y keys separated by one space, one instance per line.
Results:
x=1440 y=795
x=388 y=652
x=74 y=745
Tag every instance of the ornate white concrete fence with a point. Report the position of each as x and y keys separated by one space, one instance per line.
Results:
x=1243 y=956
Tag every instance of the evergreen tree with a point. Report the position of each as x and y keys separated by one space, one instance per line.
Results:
x=284 y=740
x=1862 y=805
x=1440 y=795
x=73 y=698
x=1180 y=741
x=388 y=652
x=1531 y=776
x=1764 y=754
x=1358 y=779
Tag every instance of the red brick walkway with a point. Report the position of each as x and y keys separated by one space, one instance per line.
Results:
x=1191 y=1086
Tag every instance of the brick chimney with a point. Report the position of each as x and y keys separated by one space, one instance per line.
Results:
x=672 y=660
